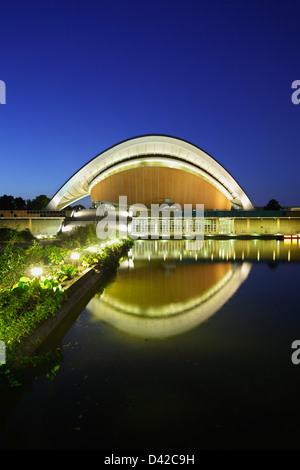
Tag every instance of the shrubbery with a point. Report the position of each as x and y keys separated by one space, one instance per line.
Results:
x=25 y=302
x=10 y=234
x=26 y=305
x=47 y=255
x=12 y=266
x=79 y=237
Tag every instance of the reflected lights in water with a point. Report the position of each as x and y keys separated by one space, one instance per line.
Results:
x=166 y=297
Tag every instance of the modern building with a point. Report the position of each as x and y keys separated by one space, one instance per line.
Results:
x=158 y=170
x=165 y=170
x=154 y=169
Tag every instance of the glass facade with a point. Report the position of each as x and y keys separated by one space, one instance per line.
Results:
x=143 y=227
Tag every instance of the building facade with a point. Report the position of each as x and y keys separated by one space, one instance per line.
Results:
x=166 y=171
x=154 y=169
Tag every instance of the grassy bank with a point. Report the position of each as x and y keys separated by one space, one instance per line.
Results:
x=34 y=280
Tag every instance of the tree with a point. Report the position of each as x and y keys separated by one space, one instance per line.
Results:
x=77 y=207
x=20 y=203
x=272 y=205
x=7 y=202
x=39 y=203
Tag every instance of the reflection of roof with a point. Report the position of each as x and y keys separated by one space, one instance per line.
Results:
x=163 y=288
x=159 y=146
x=172 y=319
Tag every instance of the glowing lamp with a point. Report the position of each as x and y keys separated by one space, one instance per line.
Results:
x=75 y=256
x=36 y=271
x=92 y=249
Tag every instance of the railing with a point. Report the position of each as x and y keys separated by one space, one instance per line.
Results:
x=30 y=213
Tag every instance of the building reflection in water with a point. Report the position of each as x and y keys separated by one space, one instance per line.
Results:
x=223 y=250
x=165 y=288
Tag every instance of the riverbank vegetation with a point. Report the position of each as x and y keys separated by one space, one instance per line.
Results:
x=34 y=279
x=12 y=235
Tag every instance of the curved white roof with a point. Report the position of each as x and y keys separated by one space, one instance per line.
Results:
x=166 y=148
x=174 y=319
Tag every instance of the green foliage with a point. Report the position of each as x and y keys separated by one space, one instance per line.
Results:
x=108 y=256
x=55 y=254
x=7 y=378
x=50 y=282
x=272 y=205
x=22 y=287
x=67 y=271
x=93 y=258
x=50 y=375
x=18 y=203
x=25 y=302
x=12 y=265
x=25 y=236
x=80 y=237
x=36 y=365
x=39 y=203
x=7 y=202
x=25 y=305
x=14 y=236
x=7 y=234
x=10 y=234
x=50 y=254
x=35 y=254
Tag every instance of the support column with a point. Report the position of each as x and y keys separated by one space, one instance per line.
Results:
x=278 y=225
x=248 y=225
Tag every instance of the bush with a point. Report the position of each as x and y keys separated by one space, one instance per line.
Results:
x=25 y=236
x=26 y=305
x=80 y=237
x=50 y=254
x=8 y=234
x=11 y=234
x=67 y=271
x=12 y=265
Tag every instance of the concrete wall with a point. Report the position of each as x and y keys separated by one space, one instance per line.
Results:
x=246 y=226
x=270 y=226
x=37 y=226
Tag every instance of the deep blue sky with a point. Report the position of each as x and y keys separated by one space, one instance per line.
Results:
x=83 y=75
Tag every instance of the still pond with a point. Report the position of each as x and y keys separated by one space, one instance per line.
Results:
x=186 y=347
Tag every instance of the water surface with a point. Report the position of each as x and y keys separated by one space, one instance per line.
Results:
x=184 y=349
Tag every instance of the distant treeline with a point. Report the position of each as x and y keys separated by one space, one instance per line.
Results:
x=40 y=202
x=18 y=203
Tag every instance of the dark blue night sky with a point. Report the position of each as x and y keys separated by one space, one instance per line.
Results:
x=83 y=75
